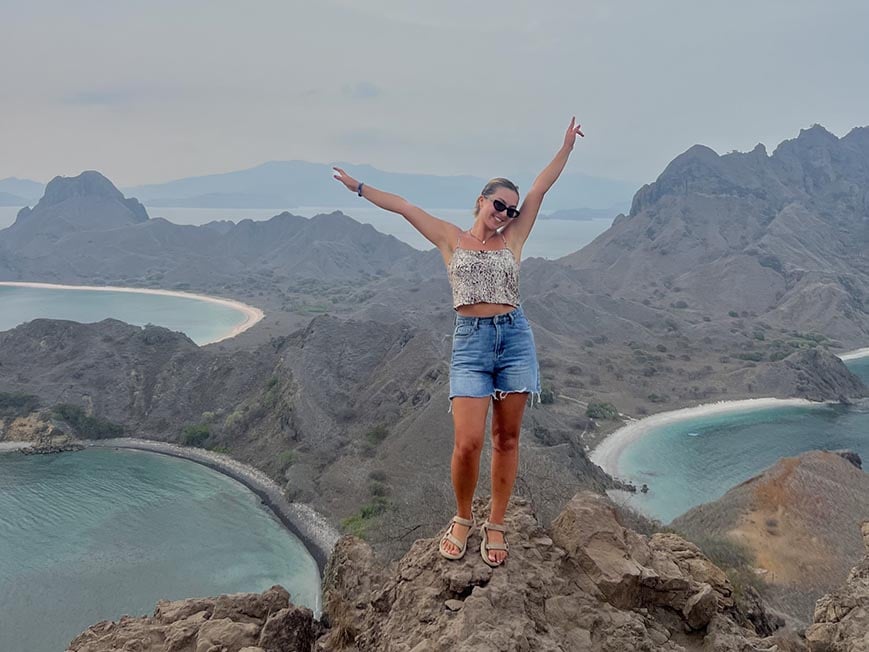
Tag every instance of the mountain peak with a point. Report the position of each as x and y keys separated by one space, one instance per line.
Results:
x=817 y=132
x=88 y=184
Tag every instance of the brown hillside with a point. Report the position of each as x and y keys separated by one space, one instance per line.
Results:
x=800 y=519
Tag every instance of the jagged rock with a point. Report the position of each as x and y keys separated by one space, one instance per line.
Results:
x=632 y=571
x=288 y=629
x=841 y=620
x=851 y=456
x=265 y=622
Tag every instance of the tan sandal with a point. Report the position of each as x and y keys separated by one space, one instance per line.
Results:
x=448 y=536
x=485 y=546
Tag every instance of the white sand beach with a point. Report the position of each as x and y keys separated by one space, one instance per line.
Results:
x=252 y=315
x=853 y=355
x=9 y=446
x=606 y=455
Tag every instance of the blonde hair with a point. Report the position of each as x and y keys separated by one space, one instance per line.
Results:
x=490 y=188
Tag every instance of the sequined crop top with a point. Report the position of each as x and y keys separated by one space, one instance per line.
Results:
x=484 y=276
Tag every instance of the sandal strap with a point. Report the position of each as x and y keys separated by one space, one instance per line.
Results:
x=494 y=526
x=496 y=546
x=449 y=537
x=467 y=522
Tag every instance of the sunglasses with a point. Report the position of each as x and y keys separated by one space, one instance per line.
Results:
x=501 y=207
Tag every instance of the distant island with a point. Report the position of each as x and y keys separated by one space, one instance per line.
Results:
x=282 y=185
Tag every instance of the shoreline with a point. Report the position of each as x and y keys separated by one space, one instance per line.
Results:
x=252 y=314
x=309 y=526
x=855 y=354
x=607 y=453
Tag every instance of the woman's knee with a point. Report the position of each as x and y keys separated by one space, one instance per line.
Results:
x=505 y=440
x=468 y=446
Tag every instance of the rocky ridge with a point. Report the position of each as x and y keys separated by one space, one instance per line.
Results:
x=780 y=235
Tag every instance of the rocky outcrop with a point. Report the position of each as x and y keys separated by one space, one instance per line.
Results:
x=31 y=427
x=841 y=621
x=242 y=622
x=588 y=584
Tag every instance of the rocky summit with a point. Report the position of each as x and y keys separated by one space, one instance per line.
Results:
x=588 y=583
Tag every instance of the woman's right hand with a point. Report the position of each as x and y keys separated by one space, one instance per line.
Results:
x=351 y=183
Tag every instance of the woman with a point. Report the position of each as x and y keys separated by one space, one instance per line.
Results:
x=493 y=358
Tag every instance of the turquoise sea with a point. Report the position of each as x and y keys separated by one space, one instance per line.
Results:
x=694 y=461
x=97 y=534
x=202 y=321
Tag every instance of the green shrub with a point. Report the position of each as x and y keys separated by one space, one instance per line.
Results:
x=86 y=426
x=752 y=356
x=601 y=411
x=547 y=395
x=376 y=435
x=733 y=313
x=358 y=524
x=195 y=435
x=287 y=459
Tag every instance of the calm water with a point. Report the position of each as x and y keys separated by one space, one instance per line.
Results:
x=202 y=321
x=98 y=534
x=550 y=238
x=697 y=460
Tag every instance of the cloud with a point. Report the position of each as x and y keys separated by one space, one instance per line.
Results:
x=363 y=90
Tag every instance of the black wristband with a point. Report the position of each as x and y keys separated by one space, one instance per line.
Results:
x=359 y=189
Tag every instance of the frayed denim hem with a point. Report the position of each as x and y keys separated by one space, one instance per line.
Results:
x=500 y=394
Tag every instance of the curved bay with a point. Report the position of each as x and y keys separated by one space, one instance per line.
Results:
x=697 y=460
x=98 y=534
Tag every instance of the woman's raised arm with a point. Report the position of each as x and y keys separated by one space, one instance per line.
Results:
x=518 y=231
x=441 y=234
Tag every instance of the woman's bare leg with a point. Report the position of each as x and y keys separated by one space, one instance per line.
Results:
x=469 y=422
x=506 y=424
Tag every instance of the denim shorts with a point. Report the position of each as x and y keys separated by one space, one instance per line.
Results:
x=493 y=356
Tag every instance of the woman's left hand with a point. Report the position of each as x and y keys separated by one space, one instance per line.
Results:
x=572 y=132
x=349 y=182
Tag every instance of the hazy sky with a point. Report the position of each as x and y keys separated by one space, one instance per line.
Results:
x=152 y=91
